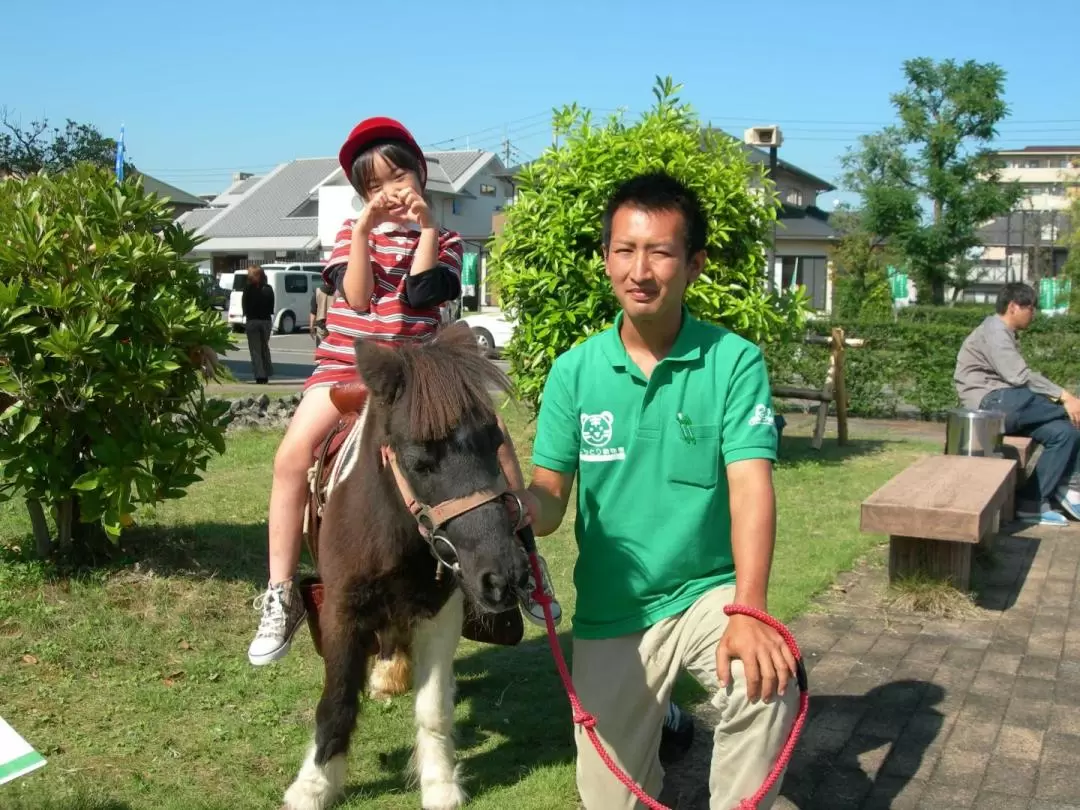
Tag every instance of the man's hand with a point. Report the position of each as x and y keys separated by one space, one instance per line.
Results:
x=1072 y=407
x=767 y=661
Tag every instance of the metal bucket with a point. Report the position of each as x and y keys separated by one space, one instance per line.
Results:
x=975 y=433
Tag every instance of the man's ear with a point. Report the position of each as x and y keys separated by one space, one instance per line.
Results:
x=695 y=266
x=381 y=369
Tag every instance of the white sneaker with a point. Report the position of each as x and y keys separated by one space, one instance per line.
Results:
x=282 y=611
x=1069 y=500
x=532 y=609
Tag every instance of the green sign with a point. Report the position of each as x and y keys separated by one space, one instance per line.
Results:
x=468 y=273
x=898 y=283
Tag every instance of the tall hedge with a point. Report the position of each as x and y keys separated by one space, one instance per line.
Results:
x=548 y=262
x=910 y=361
x=103 y=335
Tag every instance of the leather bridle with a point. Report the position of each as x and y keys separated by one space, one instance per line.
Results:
x=431 y=519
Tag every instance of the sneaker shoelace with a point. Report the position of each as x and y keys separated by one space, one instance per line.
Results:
x=272 y=606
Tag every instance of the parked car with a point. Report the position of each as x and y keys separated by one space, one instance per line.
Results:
x=491 y=328
x=292 y=285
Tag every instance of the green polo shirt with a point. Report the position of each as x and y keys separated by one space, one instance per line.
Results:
x=653 y=520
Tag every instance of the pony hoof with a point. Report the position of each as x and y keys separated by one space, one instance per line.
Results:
x=316 y=788
x=447 y=796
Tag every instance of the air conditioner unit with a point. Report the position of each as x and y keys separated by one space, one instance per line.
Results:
x=763 y=136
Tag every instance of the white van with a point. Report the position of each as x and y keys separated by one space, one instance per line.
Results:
x=292 y=285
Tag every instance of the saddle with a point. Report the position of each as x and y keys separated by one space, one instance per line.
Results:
x=503 y=629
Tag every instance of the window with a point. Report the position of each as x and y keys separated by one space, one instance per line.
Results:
x=1033 y=164
x=794 y=197
x=296 y=283
x=806 y=271
x=486 y=190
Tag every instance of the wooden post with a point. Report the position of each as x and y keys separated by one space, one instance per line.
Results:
x=936 y=559
x=840 y=386
x=827 y=392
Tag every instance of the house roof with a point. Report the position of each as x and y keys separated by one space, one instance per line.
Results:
x=1022 y=228
x=756 y=155
x=1064 y=150
x=236 y=191
x=448 y=172
x=264 y=210
x=197 y=217
x=151 y=185
x=804 y=223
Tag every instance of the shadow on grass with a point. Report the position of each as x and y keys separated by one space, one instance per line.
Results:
x=230 y=551
x=796 y=451
x=77 y=803
x=517 y=712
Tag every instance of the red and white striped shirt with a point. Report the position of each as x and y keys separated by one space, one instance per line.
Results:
x=389 y=318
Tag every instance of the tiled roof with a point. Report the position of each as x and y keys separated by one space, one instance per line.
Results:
x=803 y=223
x=265 y=209
x=195 y=219
x=151 y=185
x=454 y=164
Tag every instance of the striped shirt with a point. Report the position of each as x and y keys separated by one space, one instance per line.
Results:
x=389 y=319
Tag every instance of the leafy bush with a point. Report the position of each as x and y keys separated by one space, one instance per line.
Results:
x=548 y=262
x=102 y=333
x=910 y=361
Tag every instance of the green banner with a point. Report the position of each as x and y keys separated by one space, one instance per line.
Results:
x=469 y=264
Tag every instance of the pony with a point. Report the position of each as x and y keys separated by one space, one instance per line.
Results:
x=420 y=524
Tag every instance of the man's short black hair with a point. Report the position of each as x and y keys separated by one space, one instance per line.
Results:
x=1015 y=292
x=659 y=191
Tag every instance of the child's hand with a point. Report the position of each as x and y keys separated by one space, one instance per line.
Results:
x=416 y=207
x=376 y=211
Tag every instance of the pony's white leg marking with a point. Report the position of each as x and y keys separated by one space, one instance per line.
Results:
x=434 y=644
x=317 y=788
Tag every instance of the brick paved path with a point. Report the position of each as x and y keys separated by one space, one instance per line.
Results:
x=914 y=712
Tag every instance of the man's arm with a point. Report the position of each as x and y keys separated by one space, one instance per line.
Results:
x=1010 y=365
x=547 y=498
x=753 y=529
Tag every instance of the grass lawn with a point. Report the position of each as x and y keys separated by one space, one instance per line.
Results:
x=134 y=681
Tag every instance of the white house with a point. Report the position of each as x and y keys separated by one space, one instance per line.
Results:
x=294 y=212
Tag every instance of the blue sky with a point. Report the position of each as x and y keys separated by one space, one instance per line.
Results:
x=206 y=88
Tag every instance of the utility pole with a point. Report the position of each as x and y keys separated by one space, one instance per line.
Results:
x=506 y=152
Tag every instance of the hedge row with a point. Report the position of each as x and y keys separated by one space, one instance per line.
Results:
x=907 y=365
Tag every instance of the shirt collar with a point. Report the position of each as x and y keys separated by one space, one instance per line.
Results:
x=686 y=349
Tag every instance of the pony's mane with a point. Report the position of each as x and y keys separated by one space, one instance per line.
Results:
x=449 y=381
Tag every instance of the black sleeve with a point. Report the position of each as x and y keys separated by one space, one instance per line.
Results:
x=335 y=276
x=434 y=287
x=245 y=302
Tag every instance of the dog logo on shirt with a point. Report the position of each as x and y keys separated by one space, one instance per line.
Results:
x=596 y=428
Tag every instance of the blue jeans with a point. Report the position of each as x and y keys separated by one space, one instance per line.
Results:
x=1031 y=414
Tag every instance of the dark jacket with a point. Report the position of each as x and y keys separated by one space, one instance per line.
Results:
x=258 y=302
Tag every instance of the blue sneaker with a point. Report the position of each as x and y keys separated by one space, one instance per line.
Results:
x=1047 y=517
x=1069 y=500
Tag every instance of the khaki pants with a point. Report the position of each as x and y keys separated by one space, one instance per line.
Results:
x=625 y=683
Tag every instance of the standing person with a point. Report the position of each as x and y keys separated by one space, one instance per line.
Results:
x=321 y=298
x=666 y=423
x=392 y=269
x=257 y=302
x=991 y=374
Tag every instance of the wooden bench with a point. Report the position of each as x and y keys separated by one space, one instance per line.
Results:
x=1020 y=449
x=937 y=509
x=834 y=389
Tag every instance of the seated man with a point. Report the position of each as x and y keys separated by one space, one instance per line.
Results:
x=991 y=374
x=665 y=422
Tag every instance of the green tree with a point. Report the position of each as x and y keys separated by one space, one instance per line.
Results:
x=937 y=157
x=548 y=261
x=104 y=334
x=37 y=146
x=862 y=258
x=1071 y=239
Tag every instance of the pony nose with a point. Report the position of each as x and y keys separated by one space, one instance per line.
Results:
x=493 y=586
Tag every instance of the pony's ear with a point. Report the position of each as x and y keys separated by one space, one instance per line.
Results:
x=381 y=369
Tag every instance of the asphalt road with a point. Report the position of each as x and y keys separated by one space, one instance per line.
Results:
x=293 y=357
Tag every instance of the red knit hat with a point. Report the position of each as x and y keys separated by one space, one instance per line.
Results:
x=378 y=129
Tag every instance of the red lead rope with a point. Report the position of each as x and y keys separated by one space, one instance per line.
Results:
x=588 y=722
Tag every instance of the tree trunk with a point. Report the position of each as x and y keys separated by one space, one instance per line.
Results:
x=42 y=537
x=65 y=511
